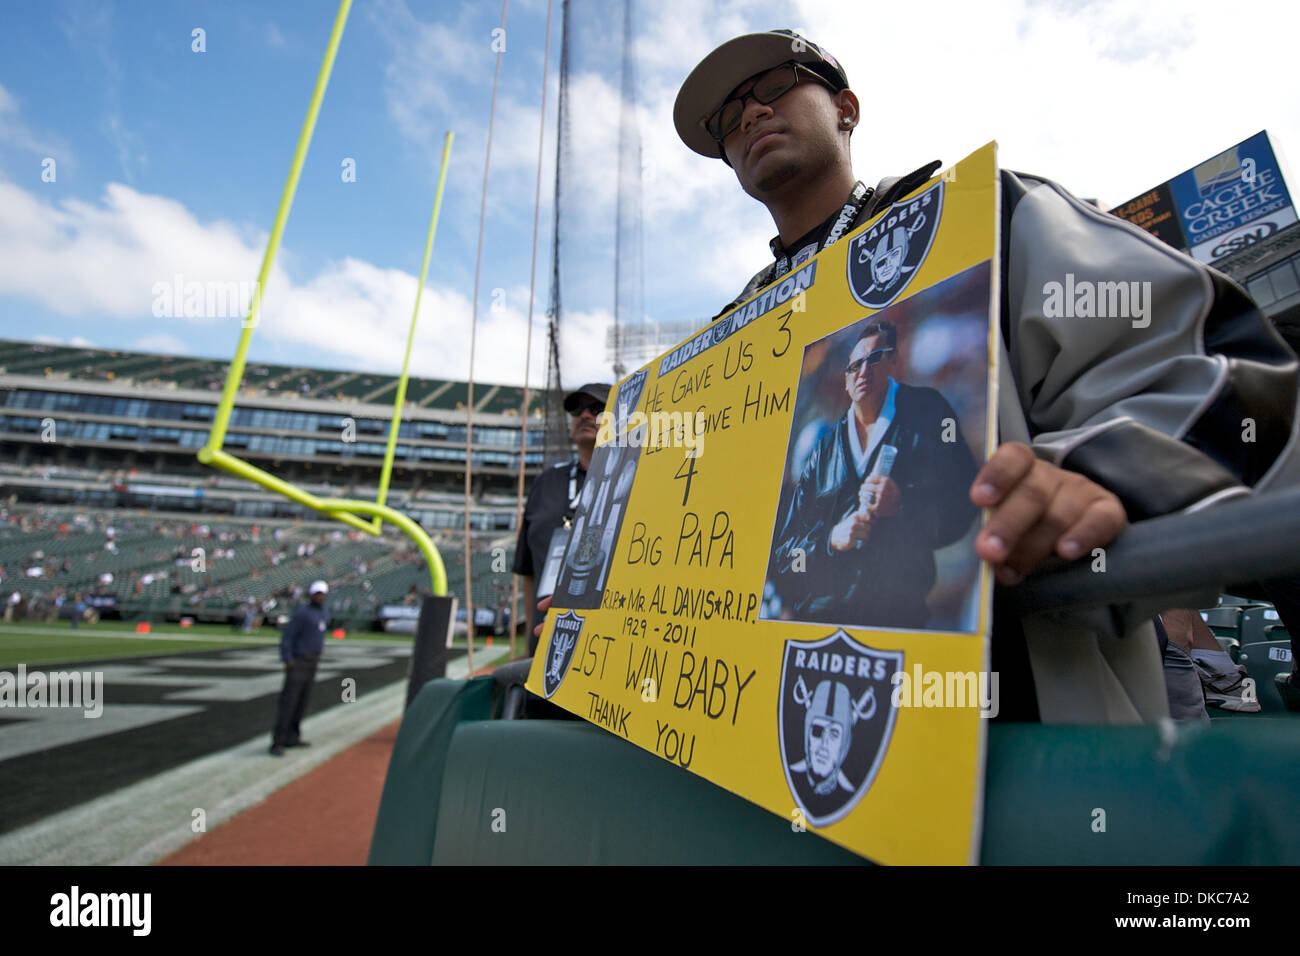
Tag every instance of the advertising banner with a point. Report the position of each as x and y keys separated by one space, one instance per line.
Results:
x=1216 y=199
x=771 y=580
x=1155 y=212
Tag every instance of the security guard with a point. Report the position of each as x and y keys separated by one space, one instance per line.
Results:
x=553 y=500
x=301 y=644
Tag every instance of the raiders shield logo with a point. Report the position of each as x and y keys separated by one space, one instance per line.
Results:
x=568 y=628
x=836 y=721
x=883 y=258
x=629 y=393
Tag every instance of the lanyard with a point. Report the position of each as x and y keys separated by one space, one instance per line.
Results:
x=573 y=493
x=848 y=214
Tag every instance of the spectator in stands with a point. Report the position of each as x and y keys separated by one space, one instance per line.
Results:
x=13 y=607
x=301 y=644
x=553 y=499
x=1198 y=672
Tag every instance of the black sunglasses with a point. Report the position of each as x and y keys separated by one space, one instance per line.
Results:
x=871 y=358
x=768 y=88
x=594 y=407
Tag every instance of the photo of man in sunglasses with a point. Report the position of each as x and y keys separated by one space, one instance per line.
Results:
x=879 y=494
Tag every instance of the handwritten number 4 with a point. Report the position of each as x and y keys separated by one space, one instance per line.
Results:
x=687 y=471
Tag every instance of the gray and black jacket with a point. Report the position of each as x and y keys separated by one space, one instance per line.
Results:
x=1192 y=405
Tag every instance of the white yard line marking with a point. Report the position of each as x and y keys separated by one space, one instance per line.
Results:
x=132 y=635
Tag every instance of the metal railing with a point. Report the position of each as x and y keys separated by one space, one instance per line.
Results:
x=1168 y=561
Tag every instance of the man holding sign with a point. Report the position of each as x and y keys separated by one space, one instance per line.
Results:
x=1118 y=416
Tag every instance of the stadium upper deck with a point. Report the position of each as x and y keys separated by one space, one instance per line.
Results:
x=98 y=408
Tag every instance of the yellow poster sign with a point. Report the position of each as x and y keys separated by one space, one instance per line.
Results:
x=771 y=579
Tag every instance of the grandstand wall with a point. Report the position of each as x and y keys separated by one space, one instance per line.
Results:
x=98 y=408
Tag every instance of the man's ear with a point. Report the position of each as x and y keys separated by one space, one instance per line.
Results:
x=846 y=101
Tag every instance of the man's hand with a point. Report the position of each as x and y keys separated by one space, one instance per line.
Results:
x=852 y=528
x=883 y=491
x=1039 y=509
x=542 y=606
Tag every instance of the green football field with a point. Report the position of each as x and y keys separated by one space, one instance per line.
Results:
x=33 y=643
x=38 y=644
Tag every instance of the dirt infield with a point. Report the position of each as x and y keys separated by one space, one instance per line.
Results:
x=324 y=818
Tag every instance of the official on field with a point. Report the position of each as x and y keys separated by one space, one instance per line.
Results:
x=301 y=644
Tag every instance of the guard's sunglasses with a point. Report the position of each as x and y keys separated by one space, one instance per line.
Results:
x=871 y=358
x=594 y=407
x=768 y=88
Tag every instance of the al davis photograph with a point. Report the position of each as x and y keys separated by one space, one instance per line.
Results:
x=875 y=523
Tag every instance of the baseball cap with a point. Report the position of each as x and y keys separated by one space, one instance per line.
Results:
x=730 y=65
x=318 y=587
x=596 y=390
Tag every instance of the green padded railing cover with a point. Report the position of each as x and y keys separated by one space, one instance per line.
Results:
x=408 y=809
x=573 y=794
x=1221 y=794
x=570 y=792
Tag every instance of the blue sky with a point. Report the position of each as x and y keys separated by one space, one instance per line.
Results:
x=171 y=161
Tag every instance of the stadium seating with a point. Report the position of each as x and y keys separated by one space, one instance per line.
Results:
x=1263 y=660
x=1225 y=623
x=235 y=569
x=1257 y=621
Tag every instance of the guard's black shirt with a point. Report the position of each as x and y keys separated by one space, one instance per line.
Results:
x=543 y=513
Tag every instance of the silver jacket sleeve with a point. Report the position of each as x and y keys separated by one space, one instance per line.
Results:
x=1146 y=371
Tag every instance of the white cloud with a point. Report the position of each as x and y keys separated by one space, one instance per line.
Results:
x=100 y=261
x=79 y=258
x=425 y=56
x=1107 y=98
x=15 y=132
